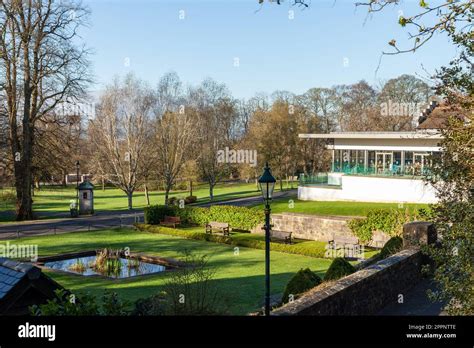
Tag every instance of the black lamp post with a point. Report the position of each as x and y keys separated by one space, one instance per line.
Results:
x=77 y=184
x=267 y=184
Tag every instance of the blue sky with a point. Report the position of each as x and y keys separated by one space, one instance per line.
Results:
x=330 y=43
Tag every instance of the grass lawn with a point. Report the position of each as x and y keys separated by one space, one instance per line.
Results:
x=239 y=276
x=333 y=207
x=57 y=199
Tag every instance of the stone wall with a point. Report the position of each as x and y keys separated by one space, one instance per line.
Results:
x=314 y=227
x=364 y=292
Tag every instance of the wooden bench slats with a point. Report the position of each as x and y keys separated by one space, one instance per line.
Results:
x=171 y=221
x=281 y=235
x=222 y=227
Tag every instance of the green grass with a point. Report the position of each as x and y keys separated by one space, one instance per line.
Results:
x=240 y=276
x=56 y=199
x=343 y=208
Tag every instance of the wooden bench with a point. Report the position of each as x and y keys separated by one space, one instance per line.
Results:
x=281 y=235
x=221 y=227
x=171 y=221
x=339 y=241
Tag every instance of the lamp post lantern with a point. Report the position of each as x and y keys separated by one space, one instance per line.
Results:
x=267 y=184
x=78 y=165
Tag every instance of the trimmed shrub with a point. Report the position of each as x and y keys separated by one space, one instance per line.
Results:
x=393 y=246
x=242 y=218
x=339 y=268
x=155 y=213
x=190 y=199
x=302 y=281
x=310 y=248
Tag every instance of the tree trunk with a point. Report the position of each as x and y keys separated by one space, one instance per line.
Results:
x=211 y=191
x=23 y=178
x=190 y=187
x=147 y=195
x=103 y=184
x=167 y=193
x=130 y=197
x=281 y=184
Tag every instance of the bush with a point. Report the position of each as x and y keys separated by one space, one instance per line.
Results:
x=155 y=213
x=191 y=290
x=389 y=221
x=393 y=246
x=153 y=305
x=242 y=218
x=339 y=268
x=190 y=199
x=84 y=304
x=302 y=281
x=310 y=248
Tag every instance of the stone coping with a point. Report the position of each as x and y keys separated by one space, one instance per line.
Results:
x=328 y=217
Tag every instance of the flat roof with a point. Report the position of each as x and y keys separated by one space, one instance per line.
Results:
x=374 y=135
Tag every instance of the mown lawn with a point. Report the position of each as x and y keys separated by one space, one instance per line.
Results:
x=56 y=199
x=240 y=276
x=333 y=207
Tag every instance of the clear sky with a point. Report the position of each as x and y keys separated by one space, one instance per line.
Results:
x=330 y=43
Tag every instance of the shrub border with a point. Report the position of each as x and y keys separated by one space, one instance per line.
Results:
x=247 y=243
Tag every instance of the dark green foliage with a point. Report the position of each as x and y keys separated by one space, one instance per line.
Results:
x=389 y=221
x=310 y=248
x=70 y=304
x=190 y=199
x=339 y=268
x=153 y=305
x=393 y=246
x=302 y=281
x=238 y=217
x=156 y=213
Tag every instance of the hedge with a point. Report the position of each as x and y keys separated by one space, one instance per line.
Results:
x=389 y=221
x=310 y=248
x=242 y=218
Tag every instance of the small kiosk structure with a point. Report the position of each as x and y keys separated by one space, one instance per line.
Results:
x=86 y=198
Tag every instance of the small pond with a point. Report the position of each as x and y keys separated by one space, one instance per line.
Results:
x=120 y=268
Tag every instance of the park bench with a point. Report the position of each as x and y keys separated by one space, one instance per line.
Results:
x=221 y=227
x=281 y=235
x=171 y=221
x=339 y=241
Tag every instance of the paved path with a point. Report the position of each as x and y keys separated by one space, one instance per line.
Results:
x=416 y=302
x=246 y=201
x=102 y=219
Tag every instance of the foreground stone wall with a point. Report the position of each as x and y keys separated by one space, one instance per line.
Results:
x=364 y=292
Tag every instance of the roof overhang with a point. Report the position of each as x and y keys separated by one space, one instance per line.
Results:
x=374 y=135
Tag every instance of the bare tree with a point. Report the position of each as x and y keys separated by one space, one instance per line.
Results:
x=40 y=66
x=121 y=132
x=216 y=120
x=174 y=138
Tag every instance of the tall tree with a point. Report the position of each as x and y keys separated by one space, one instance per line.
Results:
x=216 y=120
x=401 y=100
x=121 y=133
x=40 y=67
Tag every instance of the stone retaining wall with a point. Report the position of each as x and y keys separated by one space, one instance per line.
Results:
x=364 y=292
x=314 y=227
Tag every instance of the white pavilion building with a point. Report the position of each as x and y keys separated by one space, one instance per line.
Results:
x=378 y=166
